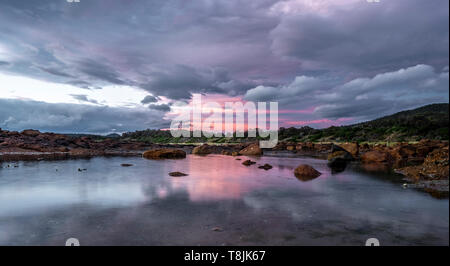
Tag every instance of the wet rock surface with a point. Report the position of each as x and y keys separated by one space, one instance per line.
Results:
x=252 y=149
x=203 y=149
x=306 y=172
x=424 y=163
x=265 y=166
x=248 y=162
x=177 y=174
x=164 y=154
x=35 y=145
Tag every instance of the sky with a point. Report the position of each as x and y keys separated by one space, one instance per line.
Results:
x=103 y=66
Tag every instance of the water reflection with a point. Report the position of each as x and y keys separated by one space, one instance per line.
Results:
x=142 y=205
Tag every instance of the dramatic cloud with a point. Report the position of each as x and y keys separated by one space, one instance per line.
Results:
x=385 y=93
x=159 y=107
x=342 y=61
x=149 y=99
x=367 y=38
x=361 y=98
x=301 y=86
x=84 y=98
x=72 y=118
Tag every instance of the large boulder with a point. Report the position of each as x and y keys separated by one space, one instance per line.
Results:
x=164 y=154
x=306 y=172
x=352 y=148
x=376 y=157
x=203 y=149
x=31 y=133
x=435 y=167
x=252 y=149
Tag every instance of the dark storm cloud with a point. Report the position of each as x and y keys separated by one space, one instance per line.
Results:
x=99 y=71
x=82 y=84
x=178 y=82
x=70 y=118
x=54 y=71
x=159 y=107
x=169 y=48
x=83 y=98
x=386 y=93
x=361 y=98
x=149 y=99
x=290 y=51
x=368 y=38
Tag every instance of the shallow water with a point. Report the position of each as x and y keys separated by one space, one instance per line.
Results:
x=47 y=202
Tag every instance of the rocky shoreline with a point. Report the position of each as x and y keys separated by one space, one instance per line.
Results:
x=424 y=164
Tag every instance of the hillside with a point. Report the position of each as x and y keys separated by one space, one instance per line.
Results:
x=427 y=122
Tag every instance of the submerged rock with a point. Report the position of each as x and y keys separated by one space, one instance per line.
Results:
x=126 y=165
x=177 y=174
x=164 y=154
x=306 y=172
x=338 y=160
x=265 y=166
x=352 y=148
x=248 y=162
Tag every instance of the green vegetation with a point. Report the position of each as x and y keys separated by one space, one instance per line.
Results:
x=429 y=122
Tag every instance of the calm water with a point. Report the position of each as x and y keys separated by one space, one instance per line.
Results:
x=47 y=202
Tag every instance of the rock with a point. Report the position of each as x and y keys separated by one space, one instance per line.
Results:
x=290 y=148
x=434 y=167
x=164 y=154
x=238 y=159
x=30 y=133
x=252 y=149
x=82 y=152
x=265 y=166
x=352 y=148
x=343 y=155
x=126 y=165
x=177 y=174
x=235 y=153
x=202 y=150
x=338 y=160
x=376 y=157
x=226 y=153
x=335 y=148
x=248 y=162
x=306 y=172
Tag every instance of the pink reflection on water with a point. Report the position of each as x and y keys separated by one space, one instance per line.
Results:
x=217 y=177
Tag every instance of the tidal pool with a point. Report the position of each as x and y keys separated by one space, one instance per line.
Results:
x=220 y=202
